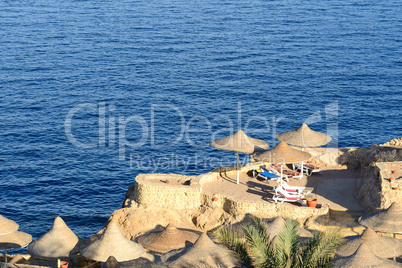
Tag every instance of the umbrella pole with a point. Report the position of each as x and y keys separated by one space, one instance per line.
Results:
x=58 y=263
x=281 y=173
x=237 y=166
x=5 y=255
x=394 y=235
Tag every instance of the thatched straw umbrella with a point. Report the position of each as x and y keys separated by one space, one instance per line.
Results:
x=58 y=243
x=111 y=262
x=275 y=241
x=14 y=240
x=384 y=247
x=386 y=221
x=203 y=253
x=113 y=243
x=275 y=227
x=137 y=263
x=239 y=142
x=304 y=137
x=364 y=257
x=7 y=226
x=169 y=239
x=282 y=154
x=10 y=237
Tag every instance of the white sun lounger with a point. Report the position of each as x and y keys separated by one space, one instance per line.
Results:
x=302 y=191
x=282 y=196
x=278 y=173
x=285 y=176
x=308 y=169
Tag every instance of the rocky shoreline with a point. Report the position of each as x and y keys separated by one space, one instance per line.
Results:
x=156 y=200
x=138 y=215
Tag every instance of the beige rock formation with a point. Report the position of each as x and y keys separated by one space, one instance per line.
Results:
x=136 y=221
x=208 y=218
x=152 y=203
x=393 y=142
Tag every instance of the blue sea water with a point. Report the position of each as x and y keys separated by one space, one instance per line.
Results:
x=95 y=92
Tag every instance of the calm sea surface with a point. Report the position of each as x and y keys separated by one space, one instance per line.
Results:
x=95 y=92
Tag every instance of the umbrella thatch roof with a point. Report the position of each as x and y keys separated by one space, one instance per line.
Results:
x=14 y=240
x=111 y=262
x=364 y=257
x=384 y=247
x=386 y=221
x=304 y=137
x=275 y=227
x=169 y=239
x=282 y=154
x=137 y=263
x=10 y=238
x=7 y=226
x=58 y=242
x=113 y=243
x=275 y=241
x=239 y=142
x=203 y=253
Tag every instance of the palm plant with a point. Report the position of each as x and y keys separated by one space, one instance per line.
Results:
x=257 y=249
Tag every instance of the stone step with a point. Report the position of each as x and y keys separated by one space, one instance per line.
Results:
x=355 y=215
x=349 y=228
x=349 y=211
x=343 y=219
x=345 y=215
x=353 y=230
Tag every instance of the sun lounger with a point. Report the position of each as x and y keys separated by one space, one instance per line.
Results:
x=286 y=173
x=282 y=196
x=308 y=168
x=261 y=173
x=294 y=189
x=276 y=169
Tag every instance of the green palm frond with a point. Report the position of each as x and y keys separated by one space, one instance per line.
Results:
x=256 y=248
x=320 y=249
x=260 y=248
x=261 y=227
x=233 y=241
x=287 y=246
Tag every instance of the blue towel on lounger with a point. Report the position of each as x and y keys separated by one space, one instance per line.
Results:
x=267 y=174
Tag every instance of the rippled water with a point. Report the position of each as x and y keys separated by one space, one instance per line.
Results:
x=147 y=69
